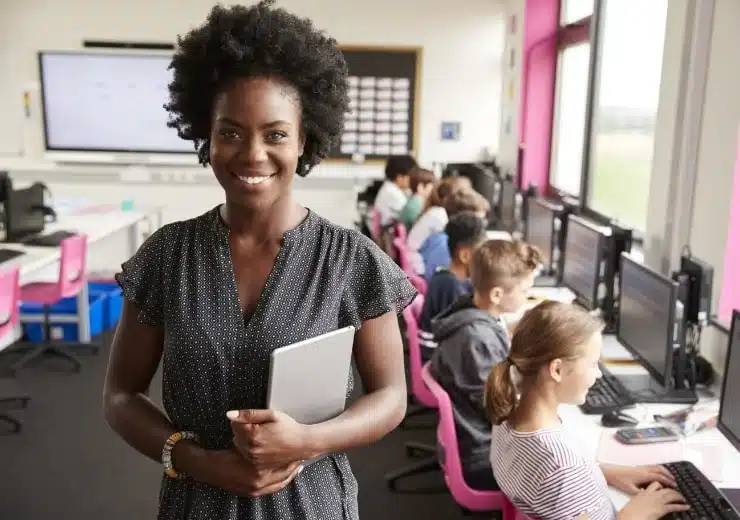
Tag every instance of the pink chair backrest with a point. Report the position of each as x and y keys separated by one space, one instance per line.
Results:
x=403 y=255
x=72 y=264
x=375 y=223
x=472 y=499
x=399 y=232
x=10 y=295
x=418 y=388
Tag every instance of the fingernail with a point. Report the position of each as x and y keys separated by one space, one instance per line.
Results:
x=232 y=414
x=300 y=469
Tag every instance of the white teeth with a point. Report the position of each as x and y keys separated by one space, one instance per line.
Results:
x=255 y=180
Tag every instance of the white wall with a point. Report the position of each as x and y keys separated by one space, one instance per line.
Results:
x=461 y=69
x=717 y=151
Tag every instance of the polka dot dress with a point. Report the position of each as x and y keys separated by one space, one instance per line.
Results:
x=324 y=277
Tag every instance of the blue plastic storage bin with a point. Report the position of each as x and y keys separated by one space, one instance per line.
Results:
x=113 y=301
x=65 y=331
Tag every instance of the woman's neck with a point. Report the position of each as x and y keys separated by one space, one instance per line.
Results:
x=265 y=223
x=537 y=410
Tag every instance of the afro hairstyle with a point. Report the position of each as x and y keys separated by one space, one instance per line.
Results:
x=259 y=41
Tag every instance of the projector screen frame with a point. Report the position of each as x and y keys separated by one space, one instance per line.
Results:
x=105 y=155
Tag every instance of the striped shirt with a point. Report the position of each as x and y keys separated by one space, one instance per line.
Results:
x=546 y=477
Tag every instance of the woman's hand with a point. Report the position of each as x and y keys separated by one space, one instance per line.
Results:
x=269 y=438
x=653 y=503
x=237 y=475
x=632 y=479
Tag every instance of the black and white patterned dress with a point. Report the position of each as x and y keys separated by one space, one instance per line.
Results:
x=324 y=277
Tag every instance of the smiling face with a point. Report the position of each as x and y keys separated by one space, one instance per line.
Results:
x=256 y=140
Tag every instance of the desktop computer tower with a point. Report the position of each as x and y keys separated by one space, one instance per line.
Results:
x=699 y=299
x=618 y=242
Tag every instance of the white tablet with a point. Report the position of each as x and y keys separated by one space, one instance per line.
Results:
x=308 y=379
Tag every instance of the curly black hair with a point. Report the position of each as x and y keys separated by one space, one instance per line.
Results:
x=464 y=229
x=259 y=40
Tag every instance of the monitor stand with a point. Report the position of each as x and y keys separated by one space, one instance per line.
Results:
x=546 y=281
x=646 y=390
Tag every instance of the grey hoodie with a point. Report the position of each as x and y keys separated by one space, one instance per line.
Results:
x=470 y=343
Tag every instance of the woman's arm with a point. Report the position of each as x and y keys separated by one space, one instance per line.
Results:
x=135 y=355
x=134 y=358
x=379 y=358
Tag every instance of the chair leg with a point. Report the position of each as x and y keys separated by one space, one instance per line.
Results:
x=414 y=410
x=416 y=449
x=12 y=421
x=417 y=468
x=35 y=352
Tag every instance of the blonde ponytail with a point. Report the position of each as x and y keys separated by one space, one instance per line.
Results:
x=501 y=393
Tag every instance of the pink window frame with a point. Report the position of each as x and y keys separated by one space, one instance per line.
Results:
x=544 y=39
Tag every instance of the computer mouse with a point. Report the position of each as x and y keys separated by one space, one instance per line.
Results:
x=616 y=419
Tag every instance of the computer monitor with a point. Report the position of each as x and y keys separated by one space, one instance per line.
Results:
x=507 y=205
x=647 y=325
x=728 y=421
x=24 y=215
x=540 y=229
x=584 y=246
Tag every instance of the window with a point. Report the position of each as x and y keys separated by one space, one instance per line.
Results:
x=626 y=104
x=574 y=10
x=566 y=163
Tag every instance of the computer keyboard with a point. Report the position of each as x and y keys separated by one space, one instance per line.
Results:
x=705 y=500
x=48 y=240
x=9 y=254
x=607 y=394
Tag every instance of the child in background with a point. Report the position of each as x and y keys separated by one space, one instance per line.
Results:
x=423 y=184
x=434 y=218
x=434 y=251
x=392 y=196
x=464 y=231
x=554 y=360
x=472 y=338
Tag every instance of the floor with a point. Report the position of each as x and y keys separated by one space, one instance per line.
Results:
x=68 y=465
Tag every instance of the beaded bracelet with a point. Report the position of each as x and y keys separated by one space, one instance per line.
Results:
x=167 y=451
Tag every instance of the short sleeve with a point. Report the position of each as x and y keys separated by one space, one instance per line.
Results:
x=570 y=492
x=140 y=278
x=374 y=286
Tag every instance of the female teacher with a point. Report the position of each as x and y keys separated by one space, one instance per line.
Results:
x=262 y=94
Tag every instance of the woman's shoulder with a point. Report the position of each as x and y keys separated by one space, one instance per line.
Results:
x=335 y=238
x=175 y=232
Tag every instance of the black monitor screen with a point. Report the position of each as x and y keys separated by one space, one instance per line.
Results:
x=23 y=212
x=729 y=405
x=540 y=218
x=508 y=203
x=647 y=307
x=582 y=263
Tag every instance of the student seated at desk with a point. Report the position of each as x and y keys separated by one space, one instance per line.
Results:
x=434 y=218
x=554 y=360
x=464 y=231
x=434 y=251
x=423 y=184
x=472 y=338
x=392 y=196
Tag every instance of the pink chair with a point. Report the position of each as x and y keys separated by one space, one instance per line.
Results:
x=9 y=321
x=424 y=398
x=469 y=499
x=399 y=231
x=375 y=225
x=70 y=283
x=404 y=259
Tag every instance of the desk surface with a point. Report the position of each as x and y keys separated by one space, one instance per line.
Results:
x=96 y=225
x=708 y=449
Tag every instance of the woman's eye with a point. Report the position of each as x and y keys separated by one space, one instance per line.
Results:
x=229 y=134
x=276 y=136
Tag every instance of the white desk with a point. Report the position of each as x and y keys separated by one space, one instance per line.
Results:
x=97 y=226
x=588 y=430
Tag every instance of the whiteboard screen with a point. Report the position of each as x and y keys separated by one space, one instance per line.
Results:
x=107 y=102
